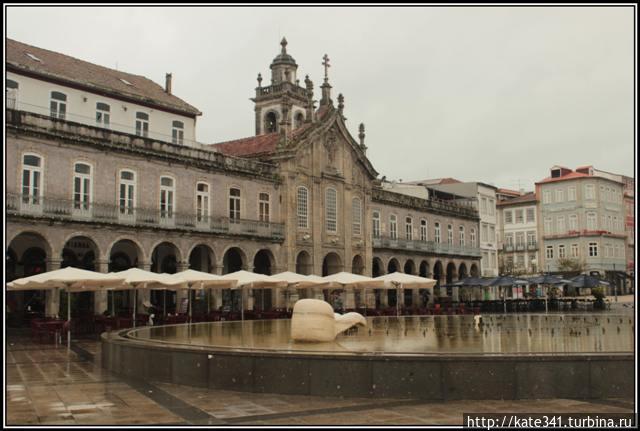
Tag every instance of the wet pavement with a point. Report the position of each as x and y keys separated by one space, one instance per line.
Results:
x=46 y=385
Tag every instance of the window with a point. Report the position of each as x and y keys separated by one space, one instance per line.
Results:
x=408 y=228
x=592 y=222
x=393 y=226
x=126 y=197
x=560 y=225
x=234 y=205
x=271 y=122
x=167 y=193
x=202 y=202
x=531 y=215
x=548 y=230
x=508 y=217
x=492 y=262
x=606 y=250
x=58 y=105
x=574 y=250
x=492 y=207
x=509 y=239
x=484 y=232
x=263 y=207
x=437 y=233
x=593 y=249
x=356 y=212
x=613 y=224
x=298 y=120
x=31 y=179
x=559 y=195
x=483 y=206
x=531 y=238
x=520 y=239
x=561 y=252
x=376 y=224
x=549 y=252
x=520 y=261
x=177 y=132
x=472 y=237
x=461 y=236
x=546 y=197
x=81 y=186
x=424 y=232
x=303 y=208
x=519 y=216
x=589 y=191
x=103 y=114
x=492 y=233
x=571 y=193
x=449 y=234
x=12 y=93
x=142 y=124
x=573 y=222
x=331 y=207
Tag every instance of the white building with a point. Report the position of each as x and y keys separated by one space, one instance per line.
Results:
x=518 y=234
x=57 y=85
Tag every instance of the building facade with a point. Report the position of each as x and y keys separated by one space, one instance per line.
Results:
x=581 y=219
x=518 y=235
x=301 y=195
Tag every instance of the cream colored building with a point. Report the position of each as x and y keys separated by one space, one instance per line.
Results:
x=301 y=195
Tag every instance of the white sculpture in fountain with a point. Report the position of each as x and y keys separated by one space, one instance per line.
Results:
x=314 y=320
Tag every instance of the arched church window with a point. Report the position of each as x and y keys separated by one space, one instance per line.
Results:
x=271 y=122
x=299 y=120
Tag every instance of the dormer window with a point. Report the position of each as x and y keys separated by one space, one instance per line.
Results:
x=142 y=124
x=556 y=173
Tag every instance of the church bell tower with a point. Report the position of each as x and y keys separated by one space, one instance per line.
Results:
x=283 y=105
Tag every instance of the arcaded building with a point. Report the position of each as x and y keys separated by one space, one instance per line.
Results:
x=104 y=172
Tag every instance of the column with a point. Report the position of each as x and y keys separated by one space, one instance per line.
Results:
x=144 y=295
x=101 y=297
x=52 y=296
x=182 y=293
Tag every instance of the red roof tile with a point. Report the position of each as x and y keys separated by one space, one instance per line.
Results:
x=254 y=145
x=528 y=197
x=569 y=176
x=91 y=76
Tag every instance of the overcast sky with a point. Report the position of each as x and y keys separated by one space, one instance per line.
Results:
x=497 y=95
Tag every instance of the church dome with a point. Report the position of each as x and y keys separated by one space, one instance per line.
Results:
x=283 y=58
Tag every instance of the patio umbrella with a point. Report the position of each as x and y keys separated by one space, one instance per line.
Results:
x=299 y=281
x=399 y=280
x=548 y=279
x=251 y=280
x=584 y=280
x=70 y=279
x=199 y=280
x=505 y=281
x=136 y=277
x=348 y=280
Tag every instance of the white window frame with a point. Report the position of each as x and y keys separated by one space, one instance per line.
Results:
x=548 y=226
x=234 y=208
x=302 y=207
x=424 y=230
x=508 y=217
x=571 y=193
x=589 y=192
x=331 y=209
x=546 y=197
x=408 y=228
x=12 y=93
x=461 y=238
x=549 y=252
x=562 y=253
x=450 y=234
x=592 y=221
x=592 y=249
x=393 y=227
x=203 y=203
x=532 y=212
x=436 y=236
x=356 y=216
x=167 y=201
x=575 y=250
x=561 y=225
x=375 y=223
x=32 y=200
x=559 y=195
x=82 y=207
x=103 y=116
x=58 y=107
x=142 y=124
x=472 y=237
x=126 y=211
x=177 y=132
x=264 y=207
x=519 y=219
x=573 y=222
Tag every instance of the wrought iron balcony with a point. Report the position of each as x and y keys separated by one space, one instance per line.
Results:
x=532 y=246
x=508 y=247
x=425 y=246
x=520 y=247
x=67 y=209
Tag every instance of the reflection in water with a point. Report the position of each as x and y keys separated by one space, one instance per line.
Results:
x=521 y=333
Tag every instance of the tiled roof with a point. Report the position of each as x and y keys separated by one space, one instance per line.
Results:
x=62 y=67
x=509 y=191
x=569 y=176
x=526 y=198
x=251 y=146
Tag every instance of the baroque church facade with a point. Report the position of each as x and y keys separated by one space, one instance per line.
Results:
x=301 y=195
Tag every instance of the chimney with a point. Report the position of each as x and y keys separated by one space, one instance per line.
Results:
x=167 y=85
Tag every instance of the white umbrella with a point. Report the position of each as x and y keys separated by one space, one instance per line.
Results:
x=251 y=280
x=71 y=279
x=348 y=280
x=200 y=280
x=299 y=281
x=396 y=280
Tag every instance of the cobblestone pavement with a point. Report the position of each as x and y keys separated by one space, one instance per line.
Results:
x=47 y=385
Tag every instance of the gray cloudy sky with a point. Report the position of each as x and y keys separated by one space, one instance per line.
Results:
x=490 y=94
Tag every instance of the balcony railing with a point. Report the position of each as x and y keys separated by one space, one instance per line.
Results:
x=281 y=87
x=532 y=246
x=425 y=246
x=67 y=209
x=508 y=247
x=520 y=247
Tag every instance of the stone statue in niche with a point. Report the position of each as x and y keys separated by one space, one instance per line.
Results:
x=331 y=145
x=313 y=320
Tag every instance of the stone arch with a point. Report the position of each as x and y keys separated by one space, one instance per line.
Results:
x=357 y=265
x=424 y=269
x=234 y=259
x=264 y=262
x=331 y=264
x=33 y=262
x=462 y=271
x=393 y=265
x=438 y=272
x=410 y=267
x=166 y=257
x=298 y=119
x=141 y=255
x=304 y=265
x=202 y=258
x=451 y=272
x=474 y=270
x=80 y=251
x=377 y=267
x=270 y=122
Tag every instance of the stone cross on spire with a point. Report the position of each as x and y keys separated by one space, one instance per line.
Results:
x=283 y=42
x=326 y=65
